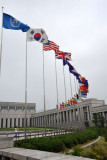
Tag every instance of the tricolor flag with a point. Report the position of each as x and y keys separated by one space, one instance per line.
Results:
x=37 y=35
x=10 y=22
x=50 y=46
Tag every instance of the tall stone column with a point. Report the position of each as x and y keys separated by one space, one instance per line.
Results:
x=54 y=119
x=4 y=122
x=40 y=121
x=60 y=118
x=79 y=115
x=8 y=122
x=63 y=117
x=16 y=121
x=70 y=116
x=20 y=122
x=49 y=120
x=13 y=122
x=67 y=117
x=74 y=115
x=82 y=114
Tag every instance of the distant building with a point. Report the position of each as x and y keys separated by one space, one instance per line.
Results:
x=13 y=114
x=78 y=115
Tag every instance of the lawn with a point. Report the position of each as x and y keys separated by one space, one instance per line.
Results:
x=22 y=129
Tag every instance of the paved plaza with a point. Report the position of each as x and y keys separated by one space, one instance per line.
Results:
x=28 y=154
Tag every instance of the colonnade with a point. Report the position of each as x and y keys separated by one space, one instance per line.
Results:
x=76 y=115
x=67 y=117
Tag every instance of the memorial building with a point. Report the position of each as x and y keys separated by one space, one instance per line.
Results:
x=78 y=115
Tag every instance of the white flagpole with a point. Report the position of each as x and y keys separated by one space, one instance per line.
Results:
x=70 y=84
x=57 y=95
x=26 y=86
x=64 y=85
x=1 y=40
x=75 y=85
x=65 y=97
x=44 y=95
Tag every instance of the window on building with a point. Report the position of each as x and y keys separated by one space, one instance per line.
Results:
x=30 y=122
x=22 y=122
x=18 y=107
x=62 y=116
x=6 y=122
x=12 y=107
x=65 y=115
x=31 y=108
x=68 y=116
x=4 y=107
x=10 y=122
x=2 y=123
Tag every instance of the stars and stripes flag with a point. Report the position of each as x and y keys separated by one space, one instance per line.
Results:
x=50 y=46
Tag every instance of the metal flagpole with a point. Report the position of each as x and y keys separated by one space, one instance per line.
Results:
x=77 y=87
x=64 y=85
x=57 y=96
x=70 y=84
x=65 y=97
x=26 y=87
x=75 y=84
x=1 y=40
x=44 y=95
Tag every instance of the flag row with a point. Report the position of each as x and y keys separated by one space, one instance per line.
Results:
x=9 y=22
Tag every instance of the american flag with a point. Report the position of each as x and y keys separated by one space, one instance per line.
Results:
x=50 y=46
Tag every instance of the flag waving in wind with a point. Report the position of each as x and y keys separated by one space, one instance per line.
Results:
x=50 y=46
x=65 y=56
x=37 y=35
x=10 y=22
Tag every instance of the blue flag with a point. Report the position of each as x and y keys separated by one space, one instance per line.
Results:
x=10 y=22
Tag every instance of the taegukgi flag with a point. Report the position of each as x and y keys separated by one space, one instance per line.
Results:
x=10 y=22
x=37 y=35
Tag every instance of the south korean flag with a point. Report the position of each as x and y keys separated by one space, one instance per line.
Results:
x=37 y=35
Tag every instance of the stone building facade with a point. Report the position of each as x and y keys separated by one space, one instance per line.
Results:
x=78 y=115
x=13 y=114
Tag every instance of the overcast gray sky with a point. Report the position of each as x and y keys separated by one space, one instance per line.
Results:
x=77 y=26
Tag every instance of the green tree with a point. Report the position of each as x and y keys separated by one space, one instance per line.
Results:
x=101 y=120
x=95 y=119
x=98 y=120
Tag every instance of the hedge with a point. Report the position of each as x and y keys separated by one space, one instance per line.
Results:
x=58 y=143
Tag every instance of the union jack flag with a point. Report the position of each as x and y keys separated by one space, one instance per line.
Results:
x=65 y=55
x=58 y=56
x=50 y=46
